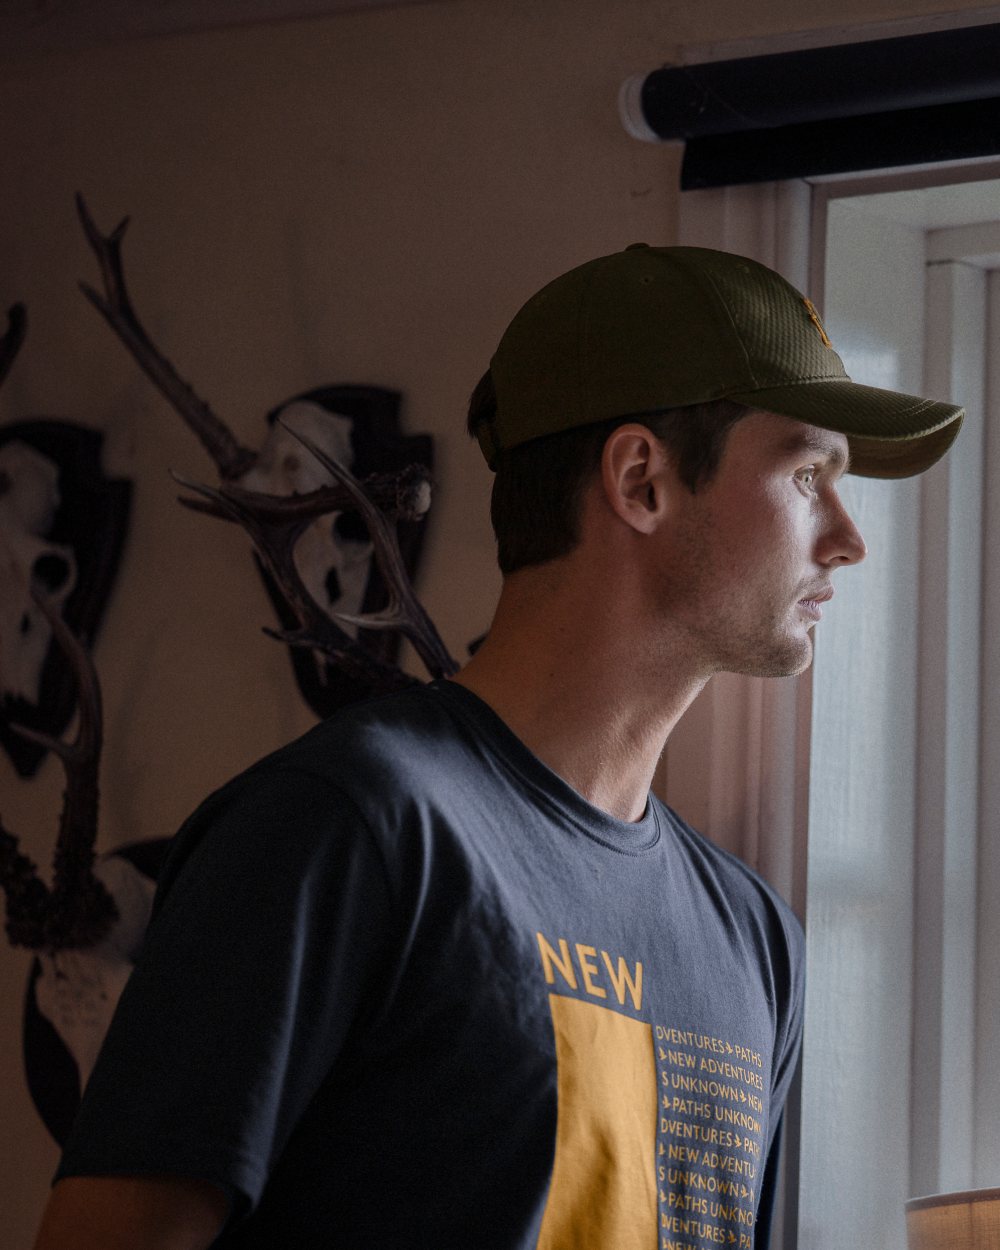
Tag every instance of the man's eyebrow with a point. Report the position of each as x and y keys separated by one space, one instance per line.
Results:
x=815 y=442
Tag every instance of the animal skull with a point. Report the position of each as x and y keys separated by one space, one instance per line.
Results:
x=29 y=562
x=333 y=557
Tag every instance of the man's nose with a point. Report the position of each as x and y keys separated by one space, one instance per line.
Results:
x=845 y=544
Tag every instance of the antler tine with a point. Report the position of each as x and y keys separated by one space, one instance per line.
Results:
x=10 y=343
x=274 y=532
x=78 y=910
x=231 y=457
x=405 y=495
x=405 y=611
x=86 y=747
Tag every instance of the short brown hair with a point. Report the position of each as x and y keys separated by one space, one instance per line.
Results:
x=539 y=485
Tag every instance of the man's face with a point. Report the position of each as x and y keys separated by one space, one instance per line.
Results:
x=750 y=557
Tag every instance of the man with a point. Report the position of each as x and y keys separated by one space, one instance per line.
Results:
x=442 y=973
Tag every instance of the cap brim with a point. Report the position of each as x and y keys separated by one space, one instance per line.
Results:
x=890 y=435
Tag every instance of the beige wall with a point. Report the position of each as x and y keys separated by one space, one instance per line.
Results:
x=365 y=198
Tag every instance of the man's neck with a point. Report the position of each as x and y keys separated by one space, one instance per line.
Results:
x=581 y=690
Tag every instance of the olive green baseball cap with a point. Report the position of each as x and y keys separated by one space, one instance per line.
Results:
x=649 y=328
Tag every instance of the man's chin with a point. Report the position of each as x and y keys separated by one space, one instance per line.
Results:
x=786 y=661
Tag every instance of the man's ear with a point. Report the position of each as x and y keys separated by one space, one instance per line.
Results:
x=637 y=477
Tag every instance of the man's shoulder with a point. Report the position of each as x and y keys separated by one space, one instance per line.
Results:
x=744 y=889
x=353 y=772
x=398 y=748
x=394 y=733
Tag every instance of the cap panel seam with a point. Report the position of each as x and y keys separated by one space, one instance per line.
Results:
x=709 y=281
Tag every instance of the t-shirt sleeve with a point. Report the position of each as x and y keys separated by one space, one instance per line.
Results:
x=268 y=934
x=789 y=1044
x=790 y=1023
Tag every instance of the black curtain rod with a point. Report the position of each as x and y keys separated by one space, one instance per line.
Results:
x=782 y=88
x=907 y=100
x=950 y=132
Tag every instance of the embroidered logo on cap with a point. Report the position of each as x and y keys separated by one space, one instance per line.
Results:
x=814 y=318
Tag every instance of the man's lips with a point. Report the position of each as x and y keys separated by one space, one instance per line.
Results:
x=811 y=603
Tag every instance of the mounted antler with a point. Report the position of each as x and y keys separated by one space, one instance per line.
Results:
x=77 y=910
x=277 y=522
x=405 y=612
x=231 y=458
x=10 y=343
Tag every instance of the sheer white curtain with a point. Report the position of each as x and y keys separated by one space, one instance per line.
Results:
x=737 y=764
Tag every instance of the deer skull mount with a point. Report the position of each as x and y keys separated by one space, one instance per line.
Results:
x=62 y=530
x=31 y=567
x=350 y=653
x=358 y=428
x=334 y=566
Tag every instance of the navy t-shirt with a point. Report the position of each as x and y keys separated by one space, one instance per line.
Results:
x=404 y=987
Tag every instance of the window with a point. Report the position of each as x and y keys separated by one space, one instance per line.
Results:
x=895 y=1087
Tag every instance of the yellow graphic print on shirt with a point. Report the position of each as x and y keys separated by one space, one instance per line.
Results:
x=660 y=1129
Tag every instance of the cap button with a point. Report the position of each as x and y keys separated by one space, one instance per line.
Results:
x=632 y=246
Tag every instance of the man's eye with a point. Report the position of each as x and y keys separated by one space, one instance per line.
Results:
x=807 y=476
